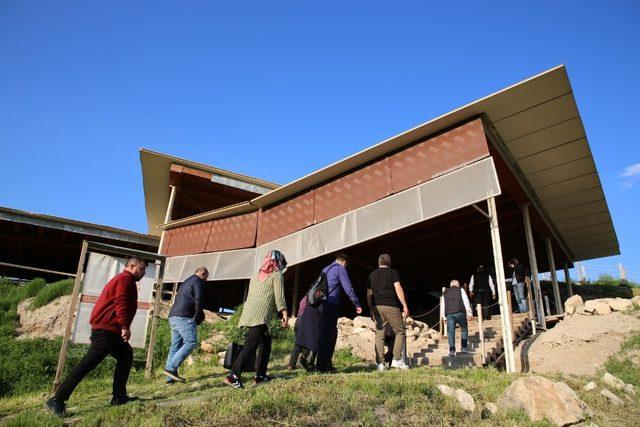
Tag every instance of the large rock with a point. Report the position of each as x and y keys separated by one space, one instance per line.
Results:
x=465 y=400
x=636 y=300
x=613 y=382
x=541 y=398
x=603 y=308
x=48 y=321
x=620 y=304
x=571 y=304
x=361 y=321
x=590 y=306
x=612 y=397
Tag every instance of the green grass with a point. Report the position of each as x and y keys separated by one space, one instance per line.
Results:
x=51 y=292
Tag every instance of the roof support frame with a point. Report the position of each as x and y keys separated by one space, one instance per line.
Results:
x=497 y=142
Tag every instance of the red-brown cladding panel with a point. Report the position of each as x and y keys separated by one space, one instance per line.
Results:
x=437 y=155
x=236 y=232
x=166 y=242
x=285 y=218
x=358 y=188
x=190 y=239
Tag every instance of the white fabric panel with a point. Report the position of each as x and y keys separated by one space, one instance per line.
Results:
x=228 y=265
x=329 y=236
x=387 y=215
x=458 y=189
x=438 y=196
x=100 y=269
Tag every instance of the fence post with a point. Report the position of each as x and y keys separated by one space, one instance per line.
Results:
x=481 y=332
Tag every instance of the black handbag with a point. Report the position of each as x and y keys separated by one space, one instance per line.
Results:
x=233 y=350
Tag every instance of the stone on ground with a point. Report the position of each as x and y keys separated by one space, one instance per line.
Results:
x=541 y=398
x=571 y=304
x=590 y=386
x=620 y=304
x=603 y=308
x=488 y=410
x=630 y=389
x=465 y=400
x=612 y=381
x=612 y=397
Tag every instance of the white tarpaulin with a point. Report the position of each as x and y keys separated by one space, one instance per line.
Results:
x=463 y=187
x=100 y=269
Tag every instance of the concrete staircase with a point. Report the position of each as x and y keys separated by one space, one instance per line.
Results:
x=436 y=353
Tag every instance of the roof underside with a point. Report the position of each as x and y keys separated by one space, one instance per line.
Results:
x=536 y=127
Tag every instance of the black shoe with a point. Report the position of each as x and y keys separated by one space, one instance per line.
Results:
x=173 y=375
x=170 y=381
x=259 y=379
x=233 y=381
x=452 y=353
x=306 y=365
x=55 y=407
x=327 y=370
x=123 y=400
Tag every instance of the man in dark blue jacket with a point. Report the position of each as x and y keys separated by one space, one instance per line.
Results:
x=184 y=316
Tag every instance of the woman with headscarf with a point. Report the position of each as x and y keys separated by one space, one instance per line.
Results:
x=265 y=296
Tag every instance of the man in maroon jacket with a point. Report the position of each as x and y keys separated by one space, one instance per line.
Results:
x=110 y=321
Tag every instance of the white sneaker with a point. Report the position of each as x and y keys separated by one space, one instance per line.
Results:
x=399 y=364
x=381 y=367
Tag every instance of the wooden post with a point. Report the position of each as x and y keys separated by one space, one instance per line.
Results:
x=481 y=333
x=443 y=324
x=154 y=322
x=505 y=316
x=554 y=277
x=567 y=279
x=296 y=285
x=534 y=266
x=174 y=291
x=510 y=304
x=546 y=304
x=167 y=215
x=62 y=358
x=532 y=316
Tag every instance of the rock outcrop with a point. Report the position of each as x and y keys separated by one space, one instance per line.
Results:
x=541 y=398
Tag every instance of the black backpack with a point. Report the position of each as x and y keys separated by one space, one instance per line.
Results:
x=319 y=290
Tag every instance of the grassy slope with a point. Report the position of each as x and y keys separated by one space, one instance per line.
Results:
x=356 y=395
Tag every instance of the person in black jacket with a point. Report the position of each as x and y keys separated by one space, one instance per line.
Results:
x=482 y=290
x=520 y=279
x=184 y=316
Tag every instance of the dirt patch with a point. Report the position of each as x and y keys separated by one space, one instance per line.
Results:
x=578 y=345
x=48 y=321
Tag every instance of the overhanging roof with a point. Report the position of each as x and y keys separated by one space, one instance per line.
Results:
x=155 y=176
x=538 y=130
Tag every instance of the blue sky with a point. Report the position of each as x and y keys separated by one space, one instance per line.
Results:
x=277 y=89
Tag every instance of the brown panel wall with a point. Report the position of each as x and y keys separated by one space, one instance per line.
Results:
x=357 y=189
x=165 y=243
x=435 y=156
x=285 y=218
x=236 y=232
x=190 y=239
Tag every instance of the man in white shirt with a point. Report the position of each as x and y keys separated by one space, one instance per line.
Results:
x=456 y=312
x=482 y=290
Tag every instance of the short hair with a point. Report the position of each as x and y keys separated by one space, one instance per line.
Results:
x=202 y=270
x=454 y=282
x=135 y=260
x=341 y=257
x=513 y=261
x=384 y=259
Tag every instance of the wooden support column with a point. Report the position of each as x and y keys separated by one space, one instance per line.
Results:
x=567 y=279
x=533 y=263
x=62 y=358
x=296 y=286
x=481 y=333
x=505 y=316
x=554 y=277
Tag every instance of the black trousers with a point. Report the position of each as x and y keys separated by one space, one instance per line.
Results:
x=300 y=352
x=258 y=338
x=328 y=335
x=484 y=299
x=103 y=343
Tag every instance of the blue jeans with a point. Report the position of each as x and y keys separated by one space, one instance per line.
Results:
x=183 y=341
x=521 y=297
x=452 y=320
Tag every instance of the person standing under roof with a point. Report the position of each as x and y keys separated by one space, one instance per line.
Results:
x=389 y=307
x=337 y=282
x=185 y=315
x=457 y=311
x=481 y=287
x=520 y=279
x=110 y=322
x=265 y=297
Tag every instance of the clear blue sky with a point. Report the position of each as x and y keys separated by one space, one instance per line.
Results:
x=277 y=89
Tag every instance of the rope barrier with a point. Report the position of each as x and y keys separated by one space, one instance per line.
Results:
x=427 y=313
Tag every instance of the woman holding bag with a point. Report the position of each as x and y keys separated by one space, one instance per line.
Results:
x=265 y=296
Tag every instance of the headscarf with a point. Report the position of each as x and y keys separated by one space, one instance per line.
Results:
x=274 y=261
